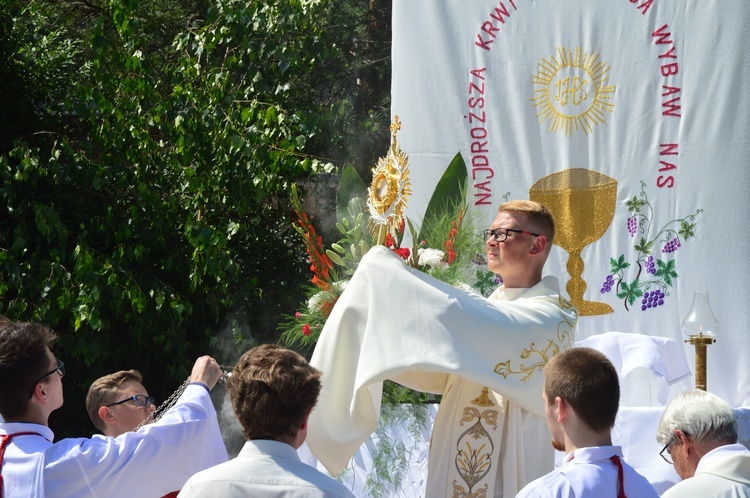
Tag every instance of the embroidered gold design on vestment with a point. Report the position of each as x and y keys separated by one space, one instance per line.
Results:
x=484 y=398
x=475 y=448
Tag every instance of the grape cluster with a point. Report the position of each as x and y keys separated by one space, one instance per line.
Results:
x=652 y=299
x=632 y=225
x=650 y=265
x=671 y=246
x=607 y=285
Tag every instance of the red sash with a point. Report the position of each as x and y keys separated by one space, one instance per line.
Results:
x=3 y=444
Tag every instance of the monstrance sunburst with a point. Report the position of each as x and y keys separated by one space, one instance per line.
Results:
x=390 y=189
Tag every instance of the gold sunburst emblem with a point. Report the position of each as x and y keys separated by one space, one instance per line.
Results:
x=390 y=188
x=571 y=92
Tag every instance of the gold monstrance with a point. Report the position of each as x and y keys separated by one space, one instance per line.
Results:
x=390 y=188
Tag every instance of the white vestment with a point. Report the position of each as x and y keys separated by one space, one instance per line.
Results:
x=154 y=461
x=590 y=473
x=723 y=472
x=394 y=322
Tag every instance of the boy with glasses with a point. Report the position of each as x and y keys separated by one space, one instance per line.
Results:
x=118 y=403
x=159 y=458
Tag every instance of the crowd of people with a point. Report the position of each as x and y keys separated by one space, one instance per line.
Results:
x=274 y=391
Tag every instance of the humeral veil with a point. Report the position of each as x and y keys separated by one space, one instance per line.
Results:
x=485 y=355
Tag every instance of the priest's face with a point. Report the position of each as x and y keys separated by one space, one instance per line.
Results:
x=558 y=441
x=510 y=255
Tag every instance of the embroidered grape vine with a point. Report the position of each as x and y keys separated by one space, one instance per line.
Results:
x=653 y=277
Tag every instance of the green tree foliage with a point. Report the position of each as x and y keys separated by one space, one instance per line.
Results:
x=145 y=177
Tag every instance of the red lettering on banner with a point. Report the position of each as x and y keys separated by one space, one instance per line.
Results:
x=644 y=6
x=669 y=180
x=477 y=117
x=665 y=181
x=479 y=148
x=499 y=14
x=500 y=11
x=670 y=69
x=482 y=43
x=665 y=166
x=668 y=54
x=663 y=38
x=671 y=108
x=668 y=149
x=478 y=133
x=478 y=102
x=490 y=29
x=480 y=162
x=478 y=73
x=479 y=168
x=484 y=198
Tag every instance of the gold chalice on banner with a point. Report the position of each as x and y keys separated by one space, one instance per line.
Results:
x=583 y=202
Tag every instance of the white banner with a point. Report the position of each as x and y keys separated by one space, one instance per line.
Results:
x=629 y=118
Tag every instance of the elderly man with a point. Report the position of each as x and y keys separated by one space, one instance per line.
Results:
x=699 y=434
x=582 y=394
x=156 y=460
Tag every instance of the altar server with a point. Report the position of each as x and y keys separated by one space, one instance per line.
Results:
x=581 y=396
x=483 y=355
x=155 y=460
x=273 y=390
x=118 y=403
x=699 y=433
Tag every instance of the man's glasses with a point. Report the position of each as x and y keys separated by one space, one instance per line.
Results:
x=666 y=449
x=665 y=454
x=501 y=234
x=60 y=369
x=140 y=400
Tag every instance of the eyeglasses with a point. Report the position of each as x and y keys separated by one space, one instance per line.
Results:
x=666 y=449
x=501 y=234
x=60 y=369
x=666 y=458
x=140 y=400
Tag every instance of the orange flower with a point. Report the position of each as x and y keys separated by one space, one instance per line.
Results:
x=450 y=253
x=327 y=306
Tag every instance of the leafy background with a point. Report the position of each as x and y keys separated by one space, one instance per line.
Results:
x=147 y=154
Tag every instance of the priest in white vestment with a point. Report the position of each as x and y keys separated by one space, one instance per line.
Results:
x=484 y=355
